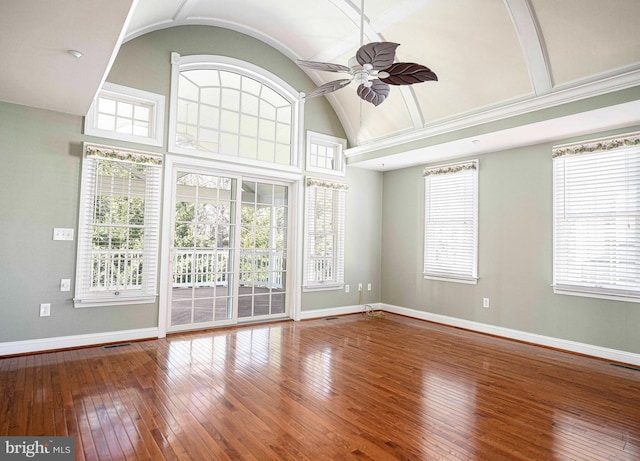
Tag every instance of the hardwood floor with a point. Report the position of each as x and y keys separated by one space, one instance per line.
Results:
x=348 y=388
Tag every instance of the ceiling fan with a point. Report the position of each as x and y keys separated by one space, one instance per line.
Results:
x=373 y=69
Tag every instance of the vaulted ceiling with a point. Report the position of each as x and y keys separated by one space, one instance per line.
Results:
x=493 y=58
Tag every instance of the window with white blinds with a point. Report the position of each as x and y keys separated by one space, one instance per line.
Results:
x=325 y=208
x=596 y=199
x=118 y=227
x=451 y=222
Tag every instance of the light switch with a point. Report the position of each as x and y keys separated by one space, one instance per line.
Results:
x=62 y=233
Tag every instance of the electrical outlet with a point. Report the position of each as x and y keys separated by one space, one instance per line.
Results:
x=485 y=302
x=65 y=285
x=346 y=288
x=45 y=310
x=368 y=287
x=359 y=286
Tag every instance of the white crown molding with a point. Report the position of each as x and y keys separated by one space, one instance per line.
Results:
x=562 y=95
x=67 y=342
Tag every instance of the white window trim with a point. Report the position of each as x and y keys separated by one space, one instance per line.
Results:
x=338 y=284
x=175 y=162
x=598 y=146
x=182 y=63
x=83 y=296
x=331 y=141
x=452 y=168
x=134 y=96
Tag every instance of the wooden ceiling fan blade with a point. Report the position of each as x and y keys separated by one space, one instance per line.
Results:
x=323 y=66
x=376 y=93
x=379 y=54
x=329 y=87
x=407 y=73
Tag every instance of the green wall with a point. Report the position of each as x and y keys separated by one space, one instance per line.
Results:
x=41 y=155
x=514 y=261
x=42 y=151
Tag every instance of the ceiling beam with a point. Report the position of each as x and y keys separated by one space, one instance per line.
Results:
x=533 y=47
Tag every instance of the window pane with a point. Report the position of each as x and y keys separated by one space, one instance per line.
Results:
x=125 y=110
x=107 y=106
x=106 y=122
x=142 y=113
x=230 y=99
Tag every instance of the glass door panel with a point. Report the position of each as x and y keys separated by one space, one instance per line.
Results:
x=203 y=251
x=229 y=251
x=263 y=243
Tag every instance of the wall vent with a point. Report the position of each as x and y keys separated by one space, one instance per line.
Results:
x=628 y=367
x=111 y=346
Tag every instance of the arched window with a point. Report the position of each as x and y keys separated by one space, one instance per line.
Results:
x=226 y=107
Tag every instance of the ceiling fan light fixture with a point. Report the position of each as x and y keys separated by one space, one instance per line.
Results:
x=361 y=78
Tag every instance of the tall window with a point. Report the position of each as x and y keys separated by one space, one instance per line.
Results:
x=324 y=234
x=596 y=203
x=451 y=222
x=118 y=230
x=228 y=107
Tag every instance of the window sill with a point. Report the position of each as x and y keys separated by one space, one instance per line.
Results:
x=585 y=292
x=322 y=288
x=113 y=301
x=468 y=281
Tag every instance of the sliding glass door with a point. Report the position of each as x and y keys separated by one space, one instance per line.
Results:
x=228 y=250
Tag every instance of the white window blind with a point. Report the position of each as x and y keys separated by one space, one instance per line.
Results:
x=596 y=197
x=451 y=222
x=118 y=227
x=324 y=234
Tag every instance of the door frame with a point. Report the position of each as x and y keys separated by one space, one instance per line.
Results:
x=174 y=163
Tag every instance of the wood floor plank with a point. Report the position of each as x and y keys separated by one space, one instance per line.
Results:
x=356 y=388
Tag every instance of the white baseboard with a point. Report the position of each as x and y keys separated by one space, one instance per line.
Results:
x=563 y=344
x=330 y=312
x=65 y=342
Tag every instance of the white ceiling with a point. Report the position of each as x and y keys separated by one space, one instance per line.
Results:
x=494 y=58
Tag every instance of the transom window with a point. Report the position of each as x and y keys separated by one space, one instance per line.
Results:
x=223 y=106
x=325 y=153
x=128 y=114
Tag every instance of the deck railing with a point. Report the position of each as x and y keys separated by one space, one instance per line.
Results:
x=207 y=267
x=114 y=269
